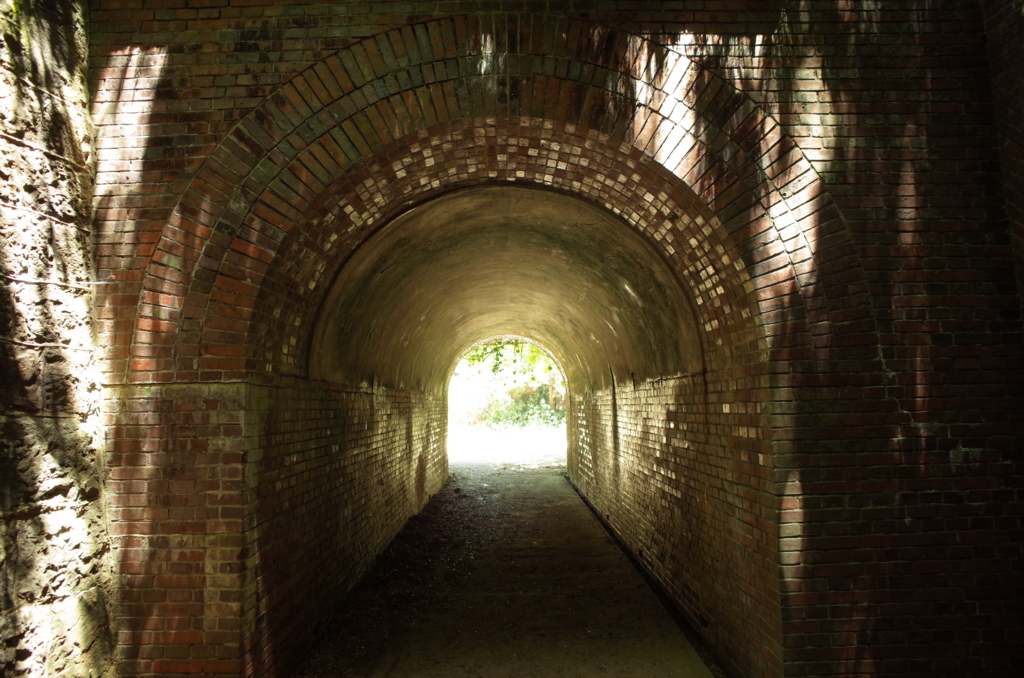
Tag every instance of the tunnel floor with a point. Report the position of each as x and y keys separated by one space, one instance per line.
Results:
x=505 y=574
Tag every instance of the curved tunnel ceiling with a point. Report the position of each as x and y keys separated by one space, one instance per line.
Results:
x=503 y=260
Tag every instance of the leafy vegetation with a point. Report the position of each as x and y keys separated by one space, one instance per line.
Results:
x=522 y=406
x=517 y=356
x=525 y=386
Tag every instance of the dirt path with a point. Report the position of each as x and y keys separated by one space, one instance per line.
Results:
x=506 y=574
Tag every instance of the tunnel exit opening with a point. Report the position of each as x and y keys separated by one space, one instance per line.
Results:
x=507 y=405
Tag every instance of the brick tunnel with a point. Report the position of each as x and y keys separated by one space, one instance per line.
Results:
x=776 y=251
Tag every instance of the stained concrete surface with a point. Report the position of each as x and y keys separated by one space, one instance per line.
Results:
x=506 y=574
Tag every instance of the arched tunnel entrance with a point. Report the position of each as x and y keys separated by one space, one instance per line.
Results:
x=329 y=353
x=666 y=258
x=501 y=260
x=647 y=444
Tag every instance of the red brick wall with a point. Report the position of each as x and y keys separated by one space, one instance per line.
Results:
x=1004 y=30
x=176 y=506
x=679 y=470
x=332 y=474
x=903 y=507
x=833 y=209
x=1004 y=24
x=242 y=513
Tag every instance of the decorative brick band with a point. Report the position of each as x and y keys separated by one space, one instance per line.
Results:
x=730 y=181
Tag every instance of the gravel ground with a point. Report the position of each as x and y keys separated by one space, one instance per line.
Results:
x=439 y=559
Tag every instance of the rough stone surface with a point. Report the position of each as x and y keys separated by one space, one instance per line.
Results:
x=55 y=586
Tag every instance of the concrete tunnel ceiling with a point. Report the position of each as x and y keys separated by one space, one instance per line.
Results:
x=503 y=260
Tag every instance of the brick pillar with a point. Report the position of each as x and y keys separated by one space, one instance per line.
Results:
x=174 y=489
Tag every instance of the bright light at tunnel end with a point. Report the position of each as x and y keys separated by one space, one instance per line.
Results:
x=500 y=413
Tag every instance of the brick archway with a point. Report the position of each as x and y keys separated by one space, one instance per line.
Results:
x=711 y=182
x=349 y=125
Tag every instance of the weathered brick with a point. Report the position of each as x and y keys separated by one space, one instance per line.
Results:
x=817 y=209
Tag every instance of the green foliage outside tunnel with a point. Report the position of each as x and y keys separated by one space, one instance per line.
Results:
x=508 y=382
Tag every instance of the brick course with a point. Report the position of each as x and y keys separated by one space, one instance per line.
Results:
x=688 y=486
